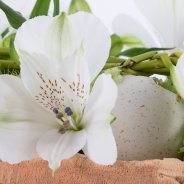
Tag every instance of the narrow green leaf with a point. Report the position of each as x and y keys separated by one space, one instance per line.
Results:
x=137 y=51
x=167 y=84
x=6 y=41
x=15 y=18
x=41 y=8
x=13 y=53
x=116 y=45
x=56 y=7
x=79 y=5
x=5 y=32
x=131 y=41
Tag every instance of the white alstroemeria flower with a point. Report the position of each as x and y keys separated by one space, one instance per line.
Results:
x=50 y=112
x=165 y=26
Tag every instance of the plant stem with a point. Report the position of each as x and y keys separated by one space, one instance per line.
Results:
x=4 y=64
x=115 y=60
x=4 y=52
x=162 y=71
x=111 y=65
x=155 y=63
x=142 y=57
x=133 y=72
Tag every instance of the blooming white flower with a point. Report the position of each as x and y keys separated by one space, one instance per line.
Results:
x=50 y=112
x=164 y=26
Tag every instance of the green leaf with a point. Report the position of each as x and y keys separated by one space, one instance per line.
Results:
x=41 y=7
x=131 y=41
x=166 y=84
x=79 y=5
x=56 y=7
x=13 y=53
x=7 y=45
x=115 y=73
x=15 y=18
x=5 y=32
x=6 y=41
x=116 y=45
x=118 y=42
x=181 y=150
x=137 y=51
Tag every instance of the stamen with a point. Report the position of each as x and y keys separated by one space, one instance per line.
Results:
x=66 y=124
x=68 y=111
x=59 y=115
x=55 y=110
x=62 y=131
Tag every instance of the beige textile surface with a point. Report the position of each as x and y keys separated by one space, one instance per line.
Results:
x=80 y=170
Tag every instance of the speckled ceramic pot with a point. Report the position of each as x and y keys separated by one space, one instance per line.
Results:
x=149 y=122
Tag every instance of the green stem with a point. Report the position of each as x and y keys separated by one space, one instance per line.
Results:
x=162 y=71
x=133 y=72
x=148 y=65
x=56 y=7
x=115 y=60
x=5 y=64
x=4 y=52
x=111 y=65
x=142 y=57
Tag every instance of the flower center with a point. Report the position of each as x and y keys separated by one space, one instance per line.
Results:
x=65 y=120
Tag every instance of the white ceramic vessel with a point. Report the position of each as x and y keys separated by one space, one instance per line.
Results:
x=150 y=121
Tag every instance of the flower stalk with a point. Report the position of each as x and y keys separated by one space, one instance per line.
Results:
x=144 y=64
x=4 y=52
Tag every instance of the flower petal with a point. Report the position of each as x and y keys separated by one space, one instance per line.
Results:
x=102 y=97
x=30 y=38
x=129 y=25
x=96 y=40
x=64 y=35
x=54 y=146
x=55 y=38
x=167 y=17
x=62 y=39
x=22 y=121
x=101 y=145
x=56 y=86
x=97 y=119
x=177 y=74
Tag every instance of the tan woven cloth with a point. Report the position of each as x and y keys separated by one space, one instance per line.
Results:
x=80 y=170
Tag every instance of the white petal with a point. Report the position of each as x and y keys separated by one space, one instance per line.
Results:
x=101 y=146
x=56 y=85
x=97 y=119
x=54 y=146
x=53 y=37
x=129 y=25
x=62 y=39
x=167 y=17
x=177 y=74
x=76 y=75
x=32 y=35
x=64 y=35
x=102 y=98
x=22 y=121
x=96 y=40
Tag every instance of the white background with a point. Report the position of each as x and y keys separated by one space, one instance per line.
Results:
x=106 y=10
